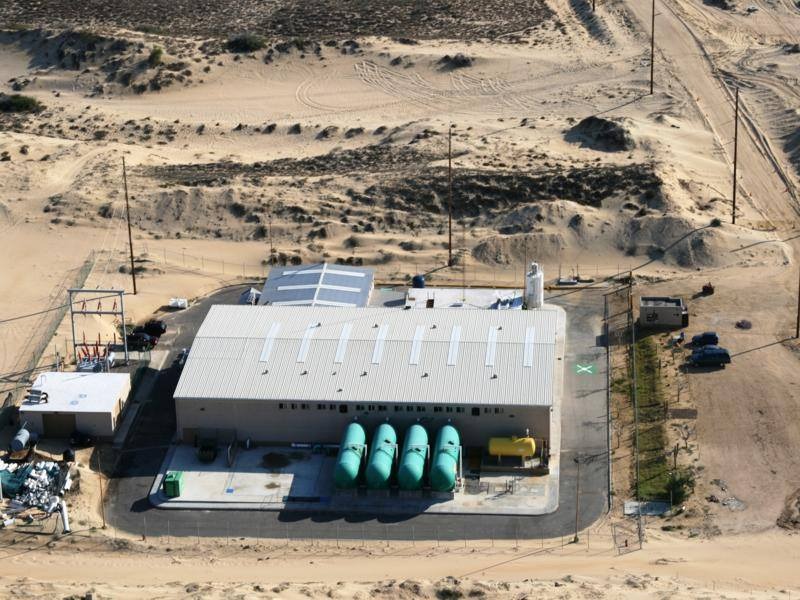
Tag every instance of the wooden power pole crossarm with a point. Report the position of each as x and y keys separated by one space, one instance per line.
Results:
x=128 y=217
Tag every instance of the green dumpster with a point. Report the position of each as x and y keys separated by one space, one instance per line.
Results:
x=173 y=482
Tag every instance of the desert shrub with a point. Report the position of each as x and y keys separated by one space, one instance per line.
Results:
x=352 y=242
x=17 y=103
x=156 y=56
x=246 y=42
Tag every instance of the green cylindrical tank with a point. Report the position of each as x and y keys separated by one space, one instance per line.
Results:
x=381 y=457
x=444 y=465
x=412 y=459
x=351 y=452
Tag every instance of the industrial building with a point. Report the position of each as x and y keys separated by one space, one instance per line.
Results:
x=60 y=403
x=318 y=285
x=282 y=374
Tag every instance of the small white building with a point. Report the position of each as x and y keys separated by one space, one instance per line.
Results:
x=662 y=311
x=61 y=403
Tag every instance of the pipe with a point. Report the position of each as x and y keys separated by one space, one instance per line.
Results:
x=65 y=517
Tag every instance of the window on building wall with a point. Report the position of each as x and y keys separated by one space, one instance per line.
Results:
x=420 y=409
x=409 y=409
x=294 y=406
x=397 y=408
x=359 y=407
x=304 y=406
x=332 y=406
x=281 y=405
x=498 y=410
x=437 y=409
x=476 y=411
x=459 y=409
x=370 y=407
x=382 y=408
x=486 y=410
x=343 y=408
x=321 y=407
x=448 y=409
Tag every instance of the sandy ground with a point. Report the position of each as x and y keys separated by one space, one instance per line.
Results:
x=338 y=151
x=246 y=568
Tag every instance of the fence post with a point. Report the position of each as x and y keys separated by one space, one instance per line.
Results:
x=144 y=528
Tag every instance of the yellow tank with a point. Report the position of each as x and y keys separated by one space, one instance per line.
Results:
x=512 y=446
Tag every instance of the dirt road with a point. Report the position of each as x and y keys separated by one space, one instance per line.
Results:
x=769 y=190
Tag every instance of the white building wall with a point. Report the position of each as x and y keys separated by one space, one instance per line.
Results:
x=264 y=421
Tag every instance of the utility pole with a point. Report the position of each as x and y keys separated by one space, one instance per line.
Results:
x=797 y=325
x=128 y=215
x=652 y=45
x=577 y=498
x=735 y=152
x=593 y=2
x=450 y=196
x=271 y=243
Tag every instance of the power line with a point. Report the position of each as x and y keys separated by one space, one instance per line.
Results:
x=54 y=308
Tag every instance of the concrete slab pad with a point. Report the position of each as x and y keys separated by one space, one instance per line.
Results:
x=306 y=483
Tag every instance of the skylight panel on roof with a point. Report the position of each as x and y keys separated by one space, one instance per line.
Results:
x=491 y=345
x=341 y=348
x=269 y=342
x=416 y=345
x=455 y=339
x=380 y=341
x=527 y=360
x=305 y=344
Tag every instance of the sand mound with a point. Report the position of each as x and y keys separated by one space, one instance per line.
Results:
x=458 y=61
x=601 y=134
x=511 y=249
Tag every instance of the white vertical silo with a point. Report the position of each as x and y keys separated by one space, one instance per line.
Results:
x=534 y=287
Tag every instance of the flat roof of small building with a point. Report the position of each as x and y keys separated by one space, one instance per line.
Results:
x=470 y=298
x=319 y=284
x=660 y=301
x=76 y=392
x=441 y=356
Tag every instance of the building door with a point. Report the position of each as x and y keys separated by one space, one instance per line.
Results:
x=58 y=426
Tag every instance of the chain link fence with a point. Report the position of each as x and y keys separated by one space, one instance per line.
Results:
x=34 y=334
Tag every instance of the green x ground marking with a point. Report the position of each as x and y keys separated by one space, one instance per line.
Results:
x=584 y=369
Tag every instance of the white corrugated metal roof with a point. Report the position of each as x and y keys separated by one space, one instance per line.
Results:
x=445 y=356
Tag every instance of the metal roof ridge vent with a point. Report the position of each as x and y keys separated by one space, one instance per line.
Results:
x=380 y=342
x=269 y=342
x=527 y=360
x=341 y=348
x=491 y=345
x=305 y=344
x=455 y=338
x=416 y=345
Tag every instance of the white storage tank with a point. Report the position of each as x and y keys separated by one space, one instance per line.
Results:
x=534 y=287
